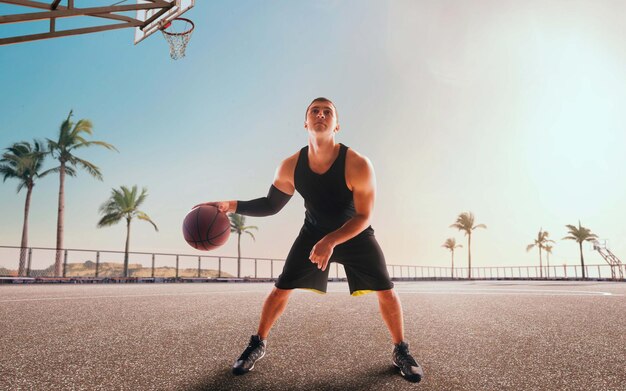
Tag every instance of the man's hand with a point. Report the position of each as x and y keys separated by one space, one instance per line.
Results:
x=222 y=206
x=321 y=252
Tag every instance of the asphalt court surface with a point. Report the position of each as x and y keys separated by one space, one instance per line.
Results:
x=468 y=335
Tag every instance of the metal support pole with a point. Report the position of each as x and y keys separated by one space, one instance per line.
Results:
x=30 y=258
x=599 y=274
x=152 y=274
x=199 y=266
x=219 y=267
x=177 y=267
x=64 y=263
x=97 y=264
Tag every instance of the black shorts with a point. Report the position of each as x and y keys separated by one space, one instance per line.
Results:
x=361 y=257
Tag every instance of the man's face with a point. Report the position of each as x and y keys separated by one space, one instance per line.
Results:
x=321 y=117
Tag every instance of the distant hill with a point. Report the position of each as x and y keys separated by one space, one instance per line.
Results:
x=7 y=272
x=111 y=269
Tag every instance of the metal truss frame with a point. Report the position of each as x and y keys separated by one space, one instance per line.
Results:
x=54 y=11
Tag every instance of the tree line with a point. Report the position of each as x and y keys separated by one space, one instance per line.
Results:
x=24 y=162
x=465 y=223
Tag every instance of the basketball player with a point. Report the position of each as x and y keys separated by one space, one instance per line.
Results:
x=338 y=187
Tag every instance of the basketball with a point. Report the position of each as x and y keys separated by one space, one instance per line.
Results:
x=206 y=228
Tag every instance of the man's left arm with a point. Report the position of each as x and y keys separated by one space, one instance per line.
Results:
x=361 y=178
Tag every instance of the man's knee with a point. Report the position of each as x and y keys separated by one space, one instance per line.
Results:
x=387 y=295
x=279 y=294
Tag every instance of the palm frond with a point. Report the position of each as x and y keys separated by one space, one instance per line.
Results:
x=451 y=244
x=142 y=197
x=122 y=203
x=23 y=161
x=70 y=171
x=83 y=143
x=238 y=224
x=82 y=126
x=110 y=219
x=91 y=168
x=571 y=227
x=143 y=216
x=580 y=233
x=465 y=222
x=7 y=172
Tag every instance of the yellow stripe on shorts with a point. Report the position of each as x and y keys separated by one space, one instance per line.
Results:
x=361 y=293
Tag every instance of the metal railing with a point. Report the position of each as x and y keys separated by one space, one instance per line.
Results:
x=102 y=264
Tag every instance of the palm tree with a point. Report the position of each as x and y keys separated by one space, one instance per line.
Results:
x=465 y=222
x=580 y=234
x=238 y=225
x=450 y=244
x=23 y=161
x=70 y=139
x=124 y=203
x=548 y=249
x=540 y=243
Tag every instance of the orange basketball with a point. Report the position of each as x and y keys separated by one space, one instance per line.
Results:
x=206 y=228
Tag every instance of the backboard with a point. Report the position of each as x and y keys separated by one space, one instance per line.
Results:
x=158 y=18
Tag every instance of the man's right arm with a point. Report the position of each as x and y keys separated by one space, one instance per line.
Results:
x=279 y=194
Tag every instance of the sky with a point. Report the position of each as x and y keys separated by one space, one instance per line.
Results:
x=511 y=110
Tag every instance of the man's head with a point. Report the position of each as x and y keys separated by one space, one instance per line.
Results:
x=321 y=114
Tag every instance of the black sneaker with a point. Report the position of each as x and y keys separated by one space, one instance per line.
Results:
x=403 y=360
x=254 y=352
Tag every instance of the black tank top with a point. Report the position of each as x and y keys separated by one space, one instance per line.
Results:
x=327 y=199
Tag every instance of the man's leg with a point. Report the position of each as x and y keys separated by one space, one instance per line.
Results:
x=391 y=310
x=273 y=307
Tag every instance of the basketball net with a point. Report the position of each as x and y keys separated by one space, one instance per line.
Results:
x=178 y=33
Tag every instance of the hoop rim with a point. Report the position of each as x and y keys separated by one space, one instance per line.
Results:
x=178 y=34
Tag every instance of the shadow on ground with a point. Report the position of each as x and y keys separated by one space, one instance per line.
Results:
x=300 y=379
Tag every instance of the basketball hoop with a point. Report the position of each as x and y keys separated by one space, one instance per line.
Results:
x=178 y=33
